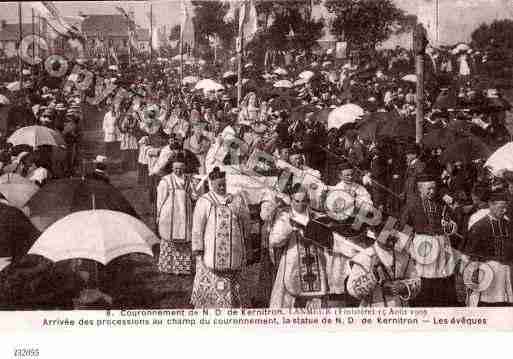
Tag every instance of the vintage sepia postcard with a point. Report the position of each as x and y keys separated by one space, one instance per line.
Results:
x=344 y=165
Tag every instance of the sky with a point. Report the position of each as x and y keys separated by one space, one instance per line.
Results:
x=166 y=12
x=457 y=18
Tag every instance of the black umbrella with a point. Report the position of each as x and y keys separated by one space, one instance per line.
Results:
x=61 y=197
x=465 y=150
x=397 y=128
x=17 y=233
x=439 y=138
x=371 y=124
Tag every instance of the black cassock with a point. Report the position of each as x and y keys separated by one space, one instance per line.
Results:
x=425 y=216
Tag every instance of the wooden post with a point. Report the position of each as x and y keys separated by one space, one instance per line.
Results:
x=419 y=123
x=20 y=38
x=33 y=34
x=240 y=49
x=181 y=54
x=151 y=34
x=419 y=47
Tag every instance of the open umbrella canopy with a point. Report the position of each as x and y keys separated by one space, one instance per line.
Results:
x=306 y=75
x=190 y=80
x=16 y=86
x=397 y=128
x=460 y=48
x=283 y=103
x=465 y=150
x=280 y=71
x=17 y=233
x=344 y=114
x=61 y=197
x=501 y=160
x=98 y=235
x=208 y=85
x=18 y=194
x=283 y=84
x=36 y=136
x=300 y=82
x=368 y=127
x=439 y=138
x=229 y=74
x=4 y=100
x=496 y=104
x=14 y=178
x=410 y=78
x=322 y=115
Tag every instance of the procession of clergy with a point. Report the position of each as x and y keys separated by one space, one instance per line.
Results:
x=411 y=260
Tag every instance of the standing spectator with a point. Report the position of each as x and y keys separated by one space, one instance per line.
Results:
x=128 y=144
x=110 y=131
x=142 y=161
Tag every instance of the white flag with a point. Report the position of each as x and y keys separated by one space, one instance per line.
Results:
x=187 y=26
x=49 y=12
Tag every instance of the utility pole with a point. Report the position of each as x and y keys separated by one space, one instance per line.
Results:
x=20 y=37
x=240 y=49
x=437 y=13
x=181 y=54
x=151 y=33
x=33 y=34
x=419 y=47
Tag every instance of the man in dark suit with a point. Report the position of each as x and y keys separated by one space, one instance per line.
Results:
x=415 y=168
x=100 y=170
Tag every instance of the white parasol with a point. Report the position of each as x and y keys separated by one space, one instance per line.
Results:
x=460 y=48
x=280 y=71
x=208 y=85
x=307 y=75
x=410 y=78
x=348 y=113
x=99 y=235
x=36 y=136
x=283 y=84
x=187 y=80
x=501 y=160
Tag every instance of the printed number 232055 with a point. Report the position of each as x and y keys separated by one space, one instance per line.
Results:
x=26 y=352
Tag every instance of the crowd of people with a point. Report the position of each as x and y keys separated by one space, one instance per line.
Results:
x=303 y=229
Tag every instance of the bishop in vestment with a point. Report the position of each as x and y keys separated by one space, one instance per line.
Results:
x=430 y=219
x=175 y=197
x=219 y=231
x=301 y=279
x=490 y=243
x=381 y=276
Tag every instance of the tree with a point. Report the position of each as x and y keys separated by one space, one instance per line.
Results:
x=287 y=16
x=367 y=22
x=497 y=34
x=208 y=22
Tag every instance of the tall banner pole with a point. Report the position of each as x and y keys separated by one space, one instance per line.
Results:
x=20 y=36
x=129 y=42
x=151 y=33
x=240 y=47
x=33 y=34
x=181 y=53
x=419 y=47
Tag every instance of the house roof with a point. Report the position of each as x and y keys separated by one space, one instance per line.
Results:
x=10 y=32
x=106 y=25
